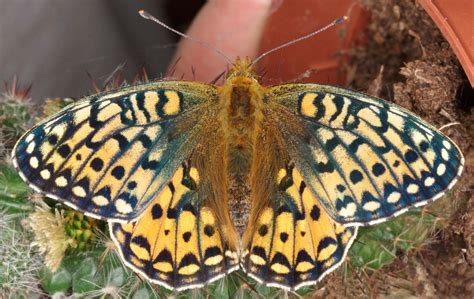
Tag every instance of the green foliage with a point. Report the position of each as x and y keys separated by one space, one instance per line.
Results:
x=13 y=191
x=18 y=262
x=14 y=114
x=378 y=245
x=81 y=229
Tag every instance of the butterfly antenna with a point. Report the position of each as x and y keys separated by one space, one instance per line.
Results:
x=333 y=23
x=148 y=16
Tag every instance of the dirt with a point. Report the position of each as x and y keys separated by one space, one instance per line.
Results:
x=407 y=61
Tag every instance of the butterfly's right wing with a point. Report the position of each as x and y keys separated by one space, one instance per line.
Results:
x=290 y=240
x=110 y=154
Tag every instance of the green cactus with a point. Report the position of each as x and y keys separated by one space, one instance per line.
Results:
x=80 y=228
x=13 y=191
x=14 y=115
x=19 y=263
x=53 y=105
x=379 y=245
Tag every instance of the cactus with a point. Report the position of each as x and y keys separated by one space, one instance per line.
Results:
x=53 y=105
x=13 y=191
x=18 y=262
x=80 y=228
x=50 y=235
x=14 y=113
x=379 y=245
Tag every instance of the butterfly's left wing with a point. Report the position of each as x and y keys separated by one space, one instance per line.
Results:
x=365 y=159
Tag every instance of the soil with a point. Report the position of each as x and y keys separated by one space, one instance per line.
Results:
x=406 y=60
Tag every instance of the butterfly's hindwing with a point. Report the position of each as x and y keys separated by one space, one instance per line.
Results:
x=365 y=159
x=109 y=155
x=177 y=242
x=294 y=242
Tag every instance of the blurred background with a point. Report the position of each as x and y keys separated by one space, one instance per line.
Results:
x=60 y=46
x=54 y=44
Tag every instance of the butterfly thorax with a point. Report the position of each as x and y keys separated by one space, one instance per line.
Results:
x=241 y=100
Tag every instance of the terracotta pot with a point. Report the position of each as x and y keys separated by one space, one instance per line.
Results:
x=317 y=59
x=455 y=19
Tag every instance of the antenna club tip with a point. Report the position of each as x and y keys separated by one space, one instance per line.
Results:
x=341 y=20
x=143 y=13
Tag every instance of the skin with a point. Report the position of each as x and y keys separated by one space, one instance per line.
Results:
x=233 y=26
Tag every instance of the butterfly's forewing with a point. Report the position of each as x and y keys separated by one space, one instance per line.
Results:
x=110 y=154
x=363 y=158
x=179 y=241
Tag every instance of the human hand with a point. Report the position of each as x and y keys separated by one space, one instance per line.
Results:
x=233 y=27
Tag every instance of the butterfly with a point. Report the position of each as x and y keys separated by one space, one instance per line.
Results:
x=162 y=162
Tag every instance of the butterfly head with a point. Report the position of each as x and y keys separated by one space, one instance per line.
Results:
x=242 y=67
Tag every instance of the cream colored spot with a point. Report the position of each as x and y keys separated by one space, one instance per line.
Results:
x=441 y=169
x=189 y=269
x=281 y=175
x=445 y=154
x=109 y=111
x=429 y=181
x=327 y=252
x=29 y=137
x=163 y=267
x=45 y=174
x=231 y=254
x=446 y=144
x=394 y=197
x=34 y=163
x=194 y=174
x=100 y=200
x=61 y=181
x=371 y=206
x=417 y=137
x=31 y=147
x=348 y=210
x=212 y=261
x=257 y=260
x=370 y=117
x=139 y=251
x=280 y=268
x=329 y=107
x=304 y=266
x=326 y=135
x=395 y=120
x=123 y=207
x=151 y=99
x=79 y=191
x=307 y=107
x=172 y=106
x=412 y=188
